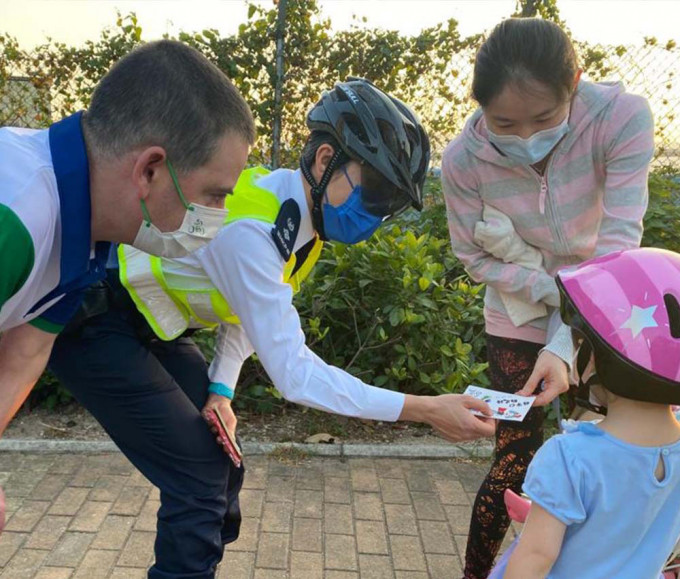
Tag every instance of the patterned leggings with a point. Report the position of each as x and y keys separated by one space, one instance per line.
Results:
x=510 y=365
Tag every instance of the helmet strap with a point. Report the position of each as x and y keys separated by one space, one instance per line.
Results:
x=318 y=190
x=583 y=389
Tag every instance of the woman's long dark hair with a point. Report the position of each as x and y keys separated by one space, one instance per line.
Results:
x=522 y=50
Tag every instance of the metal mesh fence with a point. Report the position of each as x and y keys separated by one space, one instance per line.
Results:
x=31 y=96
x=650 y=71
x=22 y=104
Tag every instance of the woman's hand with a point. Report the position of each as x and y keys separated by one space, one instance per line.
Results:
x=553 y=372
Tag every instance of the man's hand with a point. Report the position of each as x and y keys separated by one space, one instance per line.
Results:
x=555 y=375
x=223 y=405
x=24 y=352
x=450 y=416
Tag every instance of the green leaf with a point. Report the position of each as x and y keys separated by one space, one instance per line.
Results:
x=396 y=316
x=380 y=380
x=446 y=351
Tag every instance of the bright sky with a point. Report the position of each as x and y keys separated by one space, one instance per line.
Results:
x=73 y=21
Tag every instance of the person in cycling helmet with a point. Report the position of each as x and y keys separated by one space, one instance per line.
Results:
x=606 y=496
x=135 y=368
x=384 y=138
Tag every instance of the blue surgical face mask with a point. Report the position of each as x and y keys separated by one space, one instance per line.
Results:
x=349 y=222
x=531 y=150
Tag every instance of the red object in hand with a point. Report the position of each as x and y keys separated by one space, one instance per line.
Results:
x=225 y=437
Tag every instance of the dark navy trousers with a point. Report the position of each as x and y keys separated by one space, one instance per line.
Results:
x=148 y=394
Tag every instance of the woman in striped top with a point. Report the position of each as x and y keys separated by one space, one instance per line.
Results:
x=566 y=161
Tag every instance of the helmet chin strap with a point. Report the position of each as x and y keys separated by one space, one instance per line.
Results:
x=583 y=390
x=319 y=189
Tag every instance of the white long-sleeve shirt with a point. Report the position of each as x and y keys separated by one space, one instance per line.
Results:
x=243 y=263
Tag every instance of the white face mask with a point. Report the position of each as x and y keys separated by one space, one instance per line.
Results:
x=199 y=226
x=531 y=150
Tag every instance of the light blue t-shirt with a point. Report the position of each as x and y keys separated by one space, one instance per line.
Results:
x=621 y=521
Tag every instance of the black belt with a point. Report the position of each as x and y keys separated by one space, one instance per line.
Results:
x=108 y=295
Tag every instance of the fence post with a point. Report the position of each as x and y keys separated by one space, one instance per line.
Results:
x=278 y=88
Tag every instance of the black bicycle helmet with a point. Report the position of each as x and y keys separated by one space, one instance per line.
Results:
x=376 y=130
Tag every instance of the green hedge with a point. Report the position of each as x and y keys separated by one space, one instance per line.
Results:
x=398 y=311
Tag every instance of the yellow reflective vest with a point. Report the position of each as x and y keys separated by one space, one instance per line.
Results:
x=172 y=302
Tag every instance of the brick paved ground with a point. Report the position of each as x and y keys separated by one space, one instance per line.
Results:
x=94 y=516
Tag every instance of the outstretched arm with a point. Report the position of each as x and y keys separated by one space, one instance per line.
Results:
x=246 y=267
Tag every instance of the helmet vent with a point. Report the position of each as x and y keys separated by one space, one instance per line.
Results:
x=673 y=309
x=356 y=128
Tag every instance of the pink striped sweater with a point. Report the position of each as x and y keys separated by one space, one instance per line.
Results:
x=590 y=200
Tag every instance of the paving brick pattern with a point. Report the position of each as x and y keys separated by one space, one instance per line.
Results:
x=93 y=516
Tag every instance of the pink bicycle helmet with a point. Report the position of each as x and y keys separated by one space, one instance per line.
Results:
x=627 y=306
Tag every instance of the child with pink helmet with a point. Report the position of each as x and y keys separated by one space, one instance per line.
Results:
x=606 y=497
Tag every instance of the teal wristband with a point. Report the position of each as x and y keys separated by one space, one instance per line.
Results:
x=221 y=389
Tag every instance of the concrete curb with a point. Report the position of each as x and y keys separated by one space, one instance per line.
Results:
x=478 y=449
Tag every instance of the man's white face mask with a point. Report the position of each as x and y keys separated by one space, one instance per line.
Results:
x=199 y=226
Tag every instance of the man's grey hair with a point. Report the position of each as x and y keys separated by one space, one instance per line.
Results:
x=168 y=94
